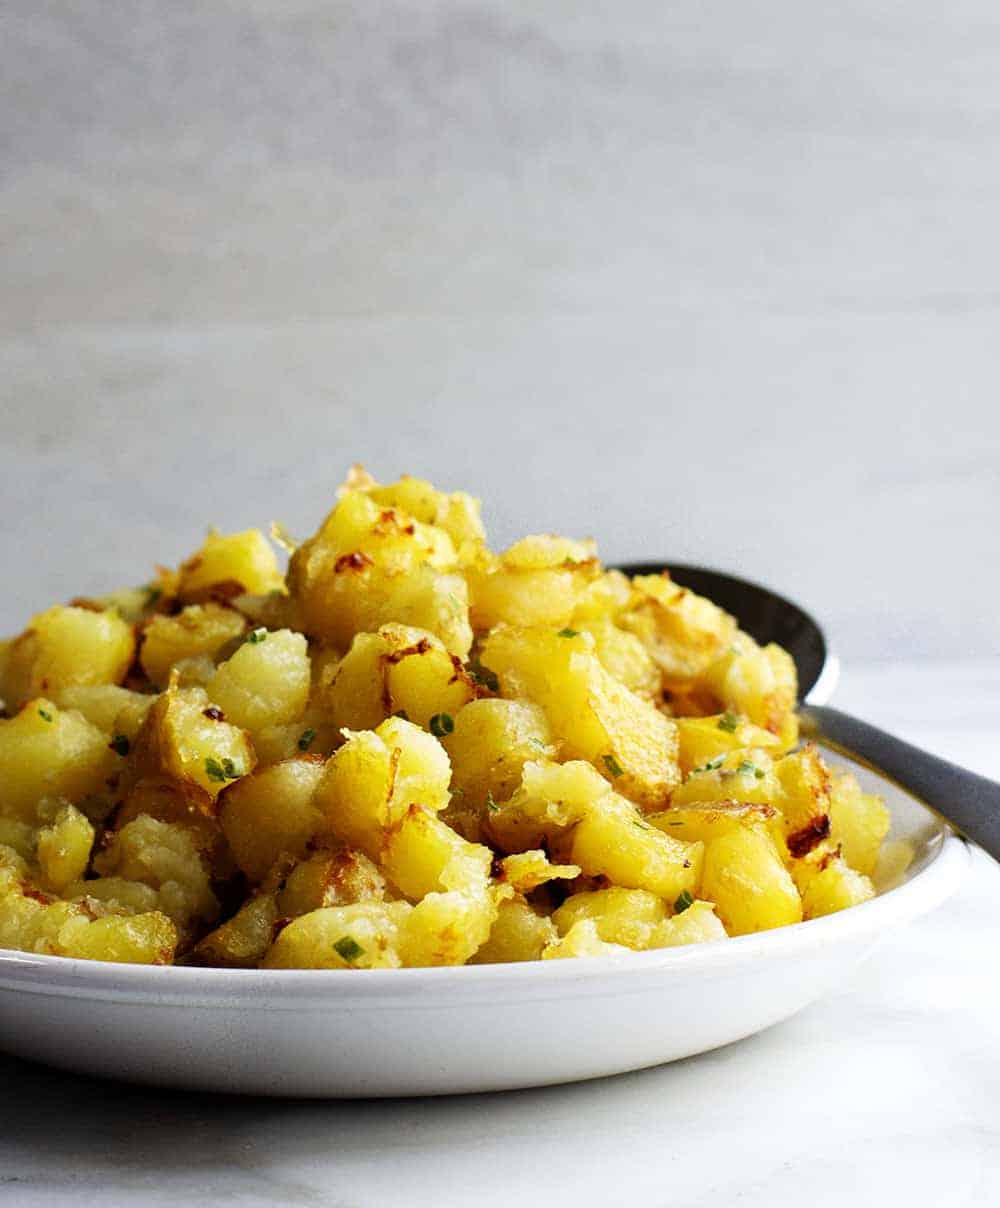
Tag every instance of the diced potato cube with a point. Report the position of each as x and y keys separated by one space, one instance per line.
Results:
x=228 y=565
x=272 y=812
x=139 y=939
x=751 y=888
x=362 y=936
x=858 y=822
x=683 y=632
x=265 y=682
x=399 y=670
x=375 y=776
x=64 y=646
x=48 y=752
x=595 y=717
x=704 y=739
x=164 y=856
x=582 y=939
x=538 y=581
x=458 y=513
x=552 y=798
x=422 y=855
x=760 y=682
x=331 y=878
x=613 y=841
x=184 y=737
x=64 y=848
x=696 y=925
x=624 y=656
x=242 y=941
x=198 y=630
x=447 y=928
x=518 y=934
x=829 y=885
x=489 y=746
x=103 y=704
x=621 y=916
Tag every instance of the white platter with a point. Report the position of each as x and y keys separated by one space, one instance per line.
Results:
x=442 y=1031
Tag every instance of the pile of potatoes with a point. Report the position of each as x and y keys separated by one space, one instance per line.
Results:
x=407 y=751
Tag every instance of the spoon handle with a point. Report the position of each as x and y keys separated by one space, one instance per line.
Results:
x=969 y=801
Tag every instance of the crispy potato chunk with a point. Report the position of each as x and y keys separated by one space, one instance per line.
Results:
x=621 y=916
x=489 y=746
x=272 y=812
x=200 y=630
x=526 y=870
x=703 y=739
x=859 y=822
x=684 y=633
x=760 y=682
x=708 y=821
x=363 y=936
x=458 y=514
x=696 y=925
x=624 y=656
x=423 y=855
x=399 y=670
x=228 y=565
x=48 y=752
x=447 y=928
x=375 y=776
x=184 y=738
x=241 y=941
x=518 y=934
x=331 y=878
x=748 y=883
x=747 y=776
x=538 y=581
x=828 y=884
x=63 y=850
x=593 y=715
x=369 y=566
x=265 y=682
x=66 y=646
x=112 y=709
x=582 y=939
x=165 y=857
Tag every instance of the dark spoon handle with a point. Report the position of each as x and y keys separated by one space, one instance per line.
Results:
x=970 y=802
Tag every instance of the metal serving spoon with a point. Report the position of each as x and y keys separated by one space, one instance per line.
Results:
x=969 y=801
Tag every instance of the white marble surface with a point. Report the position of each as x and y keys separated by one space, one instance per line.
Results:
x=885 y=1093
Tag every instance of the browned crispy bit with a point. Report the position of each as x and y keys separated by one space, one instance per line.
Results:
x=802 y=842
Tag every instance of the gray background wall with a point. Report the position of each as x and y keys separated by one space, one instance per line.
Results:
x=710 y=281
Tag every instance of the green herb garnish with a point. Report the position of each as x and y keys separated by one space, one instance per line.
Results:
x=348 y=949
x=684 y=900
x=613 y=766
x=44 y=714
x=120 y=744
x=748 y=767
x=491 y=805
x=568 y=633
x=728 y=722
x=713 y=765
x=305 y=739
x=442 y=724
x=221 y=772
x=256 y=636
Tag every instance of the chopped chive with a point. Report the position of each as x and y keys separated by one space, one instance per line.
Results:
x=44 y=714
x=120 y=744
x=442 y=724
x=491 y=805
x=256 y=636
x=613 y=766
x=568 y=633
x=747 y=767
x=305 y=739
x=728 y=722
x=348 y=949
x=684 y=900
x=221 y=772
x=712 y=766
